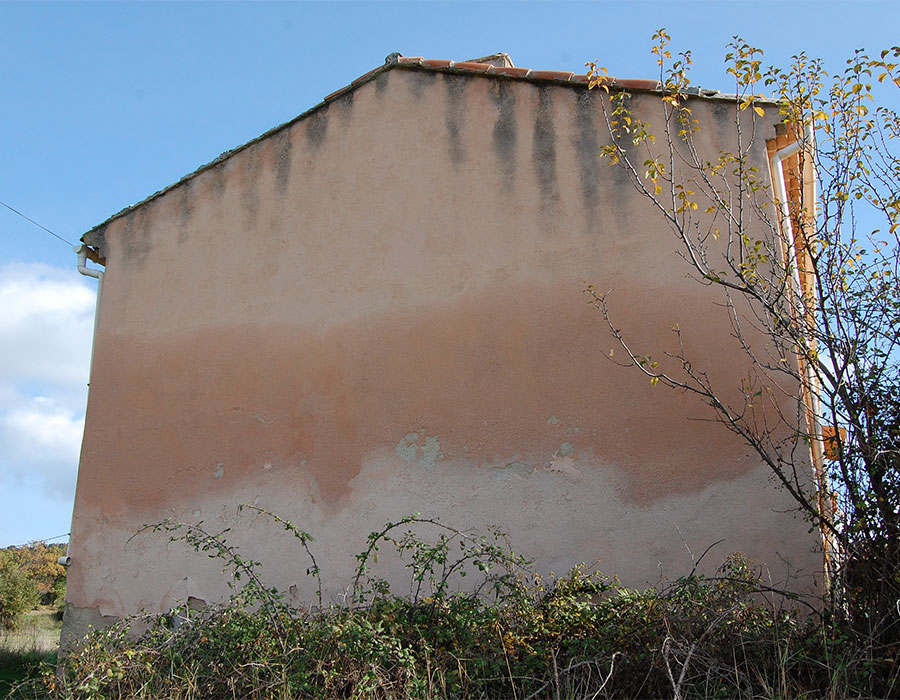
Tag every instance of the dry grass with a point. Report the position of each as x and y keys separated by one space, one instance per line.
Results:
x=24 y=650
x=39 y=632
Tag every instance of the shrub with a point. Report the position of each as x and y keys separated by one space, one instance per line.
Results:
x=510 y=634
x=18 y=594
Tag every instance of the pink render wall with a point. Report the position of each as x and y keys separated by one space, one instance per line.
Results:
x=379 y=310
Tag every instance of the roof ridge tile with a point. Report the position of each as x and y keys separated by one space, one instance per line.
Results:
x=470 y=66
x=509 y=71
x=550 y=75
x=365 y=76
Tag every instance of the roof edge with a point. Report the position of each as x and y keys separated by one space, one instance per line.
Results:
x=94 y=236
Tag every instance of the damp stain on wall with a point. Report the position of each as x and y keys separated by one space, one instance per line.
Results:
x=544 y=147
x=586 y=145
x=283 y=146
x=505 y=131
x=333 y=397
x=317 y=128
x=454 y=116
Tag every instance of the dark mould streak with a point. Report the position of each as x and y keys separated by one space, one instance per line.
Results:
x=218 y=180
x=317 y=128
x=544 y=146
x=134 y=238
x=456 y=90
x=344 y=103
x=283 y=160
x=381 y=83
x=184 y=210
x=505 y=136
x=249 y=182
x=588 y=150
x=417 y=82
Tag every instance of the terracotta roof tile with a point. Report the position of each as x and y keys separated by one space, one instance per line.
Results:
x=550 y=75
x=337 y=93
x=637 y=84
x=512 y=72
x=365 y=76
x=500 y=60
x=470 y=66
x=498 y=68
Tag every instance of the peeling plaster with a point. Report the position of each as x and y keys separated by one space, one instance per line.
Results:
x=77 y=622
x=408 y=446
x=181 y=592
x=565 y=461
x=427 y=454
x=431 y=453
x=512 y=471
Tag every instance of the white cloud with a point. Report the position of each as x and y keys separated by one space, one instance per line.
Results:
x=45 y=326
x=45 y=346
x=41 y=438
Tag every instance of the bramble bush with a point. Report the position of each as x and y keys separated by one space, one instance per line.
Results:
x=508 y=634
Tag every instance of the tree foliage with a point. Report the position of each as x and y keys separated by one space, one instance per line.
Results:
x=808 y=272
x=39 y=561
x=30 y=575
x=18 y=595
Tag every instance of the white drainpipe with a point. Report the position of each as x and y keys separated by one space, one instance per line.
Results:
x=787 y=229
x=97 y=275
x=82 y=252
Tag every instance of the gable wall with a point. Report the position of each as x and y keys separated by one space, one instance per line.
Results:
x=379 y=310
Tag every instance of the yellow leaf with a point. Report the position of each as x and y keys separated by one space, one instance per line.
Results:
x=758 y=110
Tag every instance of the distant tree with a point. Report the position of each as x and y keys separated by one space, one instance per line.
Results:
x=39 y=562
x=29 y=576
x=18 y=594
x=809 y=277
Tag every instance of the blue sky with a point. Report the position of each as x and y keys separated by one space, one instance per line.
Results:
x=105 y=103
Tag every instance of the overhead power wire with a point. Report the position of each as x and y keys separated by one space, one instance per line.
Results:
x=16 y=211
x=43 y=539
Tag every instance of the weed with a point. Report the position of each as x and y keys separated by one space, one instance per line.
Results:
x=28 y=650
x=507 y=633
